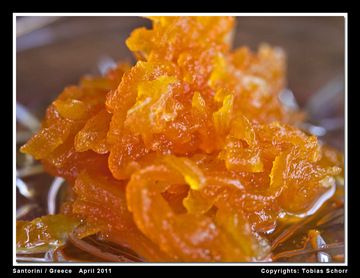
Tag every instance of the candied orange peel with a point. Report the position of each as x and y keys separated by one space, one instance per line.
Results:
x=188 y=155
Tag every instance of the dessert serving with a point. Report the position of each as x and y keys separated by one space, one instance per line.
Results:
x=188 y=155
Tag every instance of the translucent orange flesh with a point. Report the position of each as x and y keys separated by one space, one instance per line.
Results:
x=188 y=155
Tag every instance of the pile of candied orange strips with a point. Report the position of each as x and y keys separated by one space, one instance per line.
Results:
x=188 y=155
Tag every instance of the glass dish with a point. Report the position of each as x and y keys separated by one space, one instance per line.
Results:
x=53 y=52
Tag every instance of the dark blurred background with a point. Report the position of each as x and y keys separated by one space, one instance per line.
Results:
x=57 y=51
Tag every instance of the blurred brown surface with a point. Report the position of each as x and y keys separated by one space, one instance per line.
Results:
x=59 y=54
x=314 y=45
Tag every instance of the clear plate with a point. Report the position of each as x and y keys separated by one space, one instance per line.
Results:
x=56 y=51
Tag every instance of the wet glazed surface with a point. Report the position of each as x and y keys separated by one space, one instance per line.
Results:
x=192 y=157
